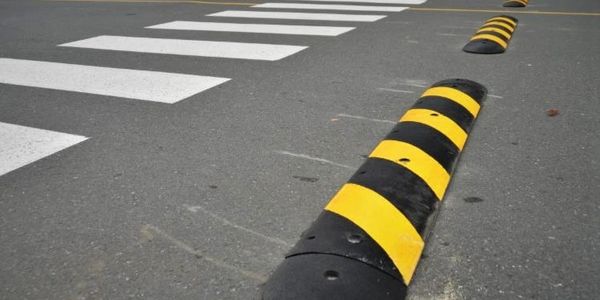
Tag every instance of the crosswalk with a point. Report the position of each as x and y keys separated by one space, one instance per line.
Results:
x=21 y=145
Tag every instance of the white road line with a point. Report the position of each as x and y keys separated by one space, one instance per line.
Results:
x=297 y=16
x=253 y=51
x=150 y=230
x=22 y=145
x=330 y=7
x=125 y=83
x=395 y=90
x=366 y=119
x=254 y=28
x=226 y=222
x=413 y=2
x=322 y=160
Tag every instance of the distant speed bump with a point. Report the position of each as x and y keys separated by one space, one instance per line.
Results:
x=515 y=3
x=493 y=36
x=367 y=242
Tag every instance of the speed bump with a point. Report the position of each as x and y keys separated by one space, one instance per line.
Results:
x=368 y=240
x=515 y=3
x=493 y=36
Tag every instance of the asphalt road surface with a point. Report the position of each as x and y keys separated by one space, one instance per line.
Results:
x=165 y=169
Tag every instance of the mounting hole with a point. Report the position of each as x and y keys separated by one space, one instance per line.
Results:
x=434 y=115
x=404 y=160
x=354 y=238
x=331 y=275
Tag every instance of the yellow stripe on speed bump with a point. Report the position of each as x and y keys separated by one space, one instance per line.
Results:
x=417 y=161
x=500 y=31
x=439 y=122
x=511 y=29
x=490 y=37
x=455 y=95
x=383 y=222
x=513 y=23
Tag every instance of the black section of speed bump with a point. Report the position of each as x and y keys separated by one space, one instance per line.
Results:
x=334 y=234
x=405 y=190
x=448 y=108
x=430 y=140
x=330 y=277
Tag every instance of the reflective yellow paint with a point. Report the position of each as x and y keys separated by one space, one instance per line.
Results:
x=500 y=31
x=383 y=222
x=417 y=161
x=455 y=95
x=439 y=122
x=492 y=38
x=514 y=24
x=508 y=27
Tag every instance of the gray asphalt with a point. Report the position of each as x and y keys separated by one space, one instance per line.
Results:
x=193 y=201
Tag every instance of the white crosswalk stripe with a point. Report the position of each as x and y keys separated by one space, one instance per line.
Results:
x=397 y=2
x=252 y=51
x=330 y=7
x=125 y=83
x=297 y=16
x=21 y=145
x=254 y=28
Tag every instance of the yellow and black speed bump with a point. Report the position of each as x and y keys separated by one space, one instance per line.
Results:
x=493 y=36
x=367 y=242
x=515 y=3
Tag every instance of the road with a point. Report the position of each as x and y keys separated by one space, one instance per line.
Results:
x=167 y=175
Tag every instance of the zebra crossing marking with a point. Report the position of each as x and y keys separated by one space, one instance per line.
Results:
x=252 y=51
x=297 y=16
x=22 y=145
x=254 y=28
x=126 y=83
x=330 y=7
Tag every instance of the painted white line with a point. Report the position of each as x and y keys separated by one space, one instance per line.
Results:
x=297 y=16
x=21 y=145
x=125 y=83
x=150 y=230
x=366 y=119
x=254 y=28
x=413 y=2
x=395 y=91
x=330 y=7
x=226 y=222
x=253 y=51
x=304 y=156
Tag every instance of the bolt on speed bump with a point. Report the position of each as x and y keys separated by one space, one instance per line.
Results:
x=515 y=3
x=493 y=36
x=368 y=240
